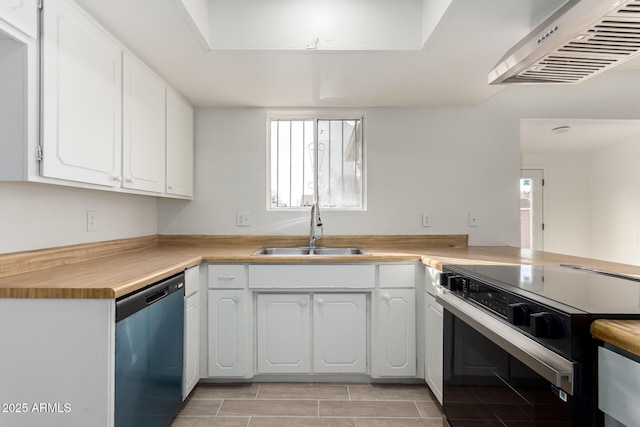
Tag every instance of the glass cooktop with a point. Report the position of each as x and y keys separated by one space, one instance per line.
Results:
x=588 y=291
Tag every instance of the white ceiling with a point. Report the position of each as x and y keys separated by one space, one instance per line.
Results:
x=583 y=135
x=451 y=70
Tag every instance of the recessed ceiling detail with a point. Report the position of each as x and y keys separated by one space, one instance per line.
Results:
x=330 y=25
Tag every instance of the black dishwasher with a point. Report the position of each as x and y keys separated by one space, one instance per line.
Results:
x=149 y=354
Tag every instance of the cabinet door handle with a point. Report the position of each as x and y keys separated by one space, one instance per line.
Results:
x=170 y=187
x=226 y=277
x=321 y=302
x=387 y=297
x=130 y=180
x=302 y=302
x=237 y=298
x=117 y=178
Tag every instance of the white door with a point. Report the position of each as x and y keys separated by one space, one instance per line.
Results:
x=531 y=212
x=81 y=98
x=434 y=346
x=396 y=338
x=340 y=333
x=284 y=333
x=179 y=146
x=229 y=333
x=191 y=343
x=143 y=127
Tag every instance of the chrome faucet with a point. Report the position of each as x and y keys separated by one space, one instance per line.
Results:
x=315 y=222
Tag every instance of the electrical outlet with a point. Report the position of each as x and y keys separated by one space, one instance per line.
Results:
x=474 y=220
x=92 y=221
x=426 y=220
x=243 y=219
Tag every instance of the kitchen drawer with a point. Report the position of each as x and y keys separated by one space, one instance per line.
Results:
x=227 y=276
x=397 y=275
x=318 y=276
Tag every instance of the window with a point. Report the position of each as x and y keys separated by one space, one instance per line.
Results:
x=316 y=158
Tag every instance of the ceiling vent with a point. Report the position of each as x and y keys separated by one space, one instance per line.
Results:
x=580 y=40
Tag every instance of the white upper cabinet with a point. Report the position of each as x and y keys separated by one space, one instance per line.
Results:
x=19 y=95
x=81 y=98
x=179 y=146
x=106 y=119
x=22 y=14
x=143 y=125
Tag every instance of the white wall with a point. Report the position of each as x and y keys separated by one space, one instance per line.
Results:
x=615 y=182
x=415 y=163
x=592 y=202
x=445 y=161
x=35 y=216
x=566 y=200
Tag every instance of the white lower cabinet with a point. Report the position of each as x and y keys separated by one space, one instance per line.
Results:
x=230 y=333
x=191 y=344
x=340 y=333
x=433 y=346
x=284 y=333
x=396 y=333
x=288 y=324
x=433 y=343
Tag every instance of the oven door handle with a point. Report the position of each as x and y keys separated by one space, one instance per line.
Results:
x=551 y=366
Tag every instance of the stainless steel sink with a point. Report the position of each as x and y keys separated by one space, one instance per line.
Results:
x=305 y=250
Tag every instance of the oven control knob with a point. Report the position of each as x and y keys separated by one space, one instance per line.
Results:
x=518 y=314
x=455 y=283
x=542 y=325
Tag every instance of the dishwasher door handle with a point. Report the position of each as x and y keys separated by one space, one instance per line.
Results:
x=157 y=296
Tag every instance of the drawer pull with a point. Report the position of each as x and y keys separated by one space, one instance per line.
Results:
x=226 y=277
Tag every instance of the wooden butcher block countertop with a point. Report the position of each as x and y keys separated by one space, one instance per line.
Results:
x=624 y=334
x=116 y=268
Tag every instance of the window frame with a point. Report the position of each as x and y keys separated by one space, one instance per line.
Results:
x=315 y=116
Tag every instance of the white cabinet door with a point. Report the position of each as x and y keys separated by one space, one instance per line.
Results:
x=433 y=346
x=143 y=126
x=284 y=333
x=396 y=334
x=22 y=14
x=179 y=146
x=340 y=333
x=81 y=97
x=191 y=344
x=230 y=333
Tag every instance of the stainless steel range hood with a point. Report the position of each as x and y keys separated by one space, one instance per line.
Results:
x=580 y=40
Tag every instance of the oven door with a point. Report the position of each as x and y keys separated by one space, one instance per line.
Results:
x=497 y=376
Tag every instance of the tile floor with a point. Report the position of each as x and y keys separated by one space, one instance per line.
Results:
x=310 y=405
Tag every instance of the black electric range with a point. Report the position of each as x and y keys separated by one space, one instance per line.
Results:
x=551 y=307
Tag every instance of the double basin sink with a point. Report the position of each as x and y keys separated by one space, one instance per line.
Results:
x=307 y=250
